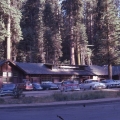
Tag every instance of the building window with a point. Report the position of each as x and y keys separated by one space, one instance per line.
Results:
x=4 y=74
x=46 y=78
x=9 y=74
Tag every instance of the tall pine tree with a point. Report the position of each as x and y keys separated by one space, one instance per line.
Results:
x=108 y=38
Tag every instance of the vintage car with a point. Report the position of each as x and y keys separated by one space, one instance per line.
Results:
x=11 y=89
x=92 y=84
x=49 y=85
x=69 y=85
x=37 y=86
x=110 y=83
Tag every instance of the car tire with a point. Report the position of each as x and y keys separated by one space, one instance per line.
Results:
x=47 y=88
x=91 y=88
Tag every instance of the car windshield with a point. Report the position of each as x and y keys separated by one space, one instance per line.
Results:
x=68 y=82
x=95 y=81
x=49 y=82
x=8 y=85
x=109 y=80
x=36 y=84
x=90 y=81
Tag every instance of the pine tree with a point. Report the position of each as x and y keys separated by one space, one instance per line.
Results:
x=73 y=11
x=108 y=29
x=40 y=32
x=11 y=15
x=30 y=48
x=52 y=35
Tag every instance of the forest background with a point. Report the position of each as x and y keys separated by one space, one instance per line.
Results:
x=76 y=32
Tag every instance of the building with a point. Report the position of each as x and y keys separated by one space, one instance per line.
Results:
x=17 y=71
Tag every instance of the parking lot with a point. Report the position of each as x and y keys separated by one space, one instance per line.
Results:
x=50 y=92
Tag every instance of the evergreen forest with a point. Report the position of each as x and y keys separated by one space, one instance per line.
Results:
x=75 y=32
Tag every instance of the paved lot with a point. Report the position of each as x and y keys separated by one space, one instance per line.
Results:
x=101 y=111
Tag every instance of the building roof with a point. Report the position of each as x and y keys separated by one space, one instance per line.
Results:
x=98 y=70
x=103 y=70
x=40 y=68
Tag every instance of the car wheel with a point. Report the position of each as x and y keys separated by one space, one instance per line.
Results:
x=34 y=89
x=47 y=88
x=1 y=95
x=91 y=88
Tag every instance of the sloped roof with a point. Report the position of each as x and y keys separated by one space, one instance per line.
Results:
x=40 y=68
x=98 y=70
x=33 y=68
x=103 y=70
x=116 y=70
x=6 y=61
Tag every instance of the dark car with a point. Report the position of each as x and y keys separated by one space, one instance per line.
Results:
x=37 y=86
x=7 y=89
x=49 y=85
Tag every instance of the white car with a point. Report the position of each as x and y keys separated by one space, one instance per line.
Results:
x=110 y=83
x=92 y=84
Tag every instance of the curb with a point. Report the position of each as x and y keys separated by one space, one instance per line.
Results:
x=81 y=102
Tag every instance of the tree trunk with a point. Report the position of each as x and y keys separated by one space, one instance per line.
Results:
x=110 y=71
x=9 y=35
x=78 y=55
x=72 y=50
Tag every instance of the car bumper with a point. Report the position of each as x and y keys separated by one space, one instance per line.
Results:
x=6 y=93
x=54 y=88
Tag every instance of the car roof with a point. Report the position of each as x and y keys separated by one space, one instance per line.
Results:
x=91 y=80
x=47 y=82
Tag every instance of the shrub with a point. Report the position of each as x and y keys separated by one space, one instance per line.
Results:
x=78 y=96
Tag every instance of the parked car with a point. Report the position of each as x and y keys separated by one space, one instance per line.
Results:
x=118 y=82
x=110 y=83
x=69 y=85
x=11 y=89
x=58 y=84
x=48 y=85
x=26 y=85
x=37 y=86
x=92 y=84
x=7 y=89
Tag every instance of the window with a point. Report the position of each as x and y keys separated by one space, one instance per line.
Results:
x=9 y=74
x=4 y=74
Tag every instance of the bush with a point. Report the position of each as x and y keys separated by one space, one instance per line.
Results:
x=64 y=96
x=78 y=96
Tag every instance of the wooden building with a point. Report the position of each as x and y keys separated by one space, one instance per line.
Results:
x=16 y=71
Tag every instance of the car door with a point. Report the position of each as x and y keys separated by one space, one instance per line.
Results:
x=84 y=85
